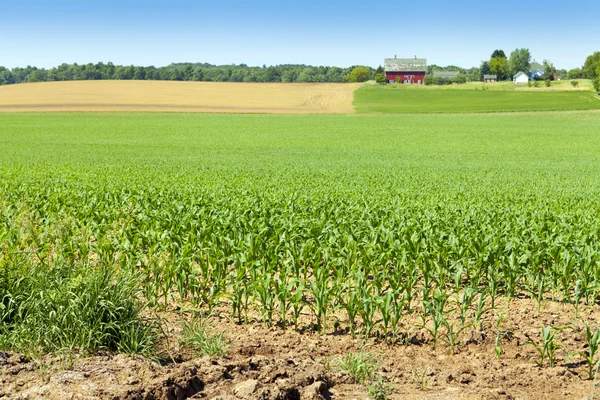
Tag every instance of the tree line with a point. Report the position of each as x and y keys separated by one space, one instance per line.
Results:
x=498 y=64
x=181 y=72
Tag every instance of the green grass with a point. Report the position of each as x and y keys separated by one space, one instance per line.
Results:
x=393 y=99
x=269 y=217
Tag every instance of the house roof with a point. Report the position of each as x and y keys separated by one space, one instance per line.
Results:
x=445 y=74
x=519 y=74
x=536 y=65
x=405 y=64
x=490 y=76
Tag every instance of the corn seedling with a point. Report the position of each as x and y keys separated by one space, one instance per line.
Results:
x=547 y=347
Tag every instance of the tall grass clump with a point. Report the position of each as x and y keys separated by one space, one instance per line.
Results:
x=72 y=309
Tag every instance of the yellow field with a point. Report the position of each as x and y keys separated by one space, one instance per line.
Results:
x=289 y=98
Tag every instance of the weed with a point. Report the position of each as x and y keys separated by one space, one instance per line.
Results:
x=197 y=335
x=360 y=366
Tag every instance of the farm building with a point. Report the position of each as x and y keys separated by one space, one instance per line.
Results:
x=490 y=78
x=405 y=70
x=536 y=70
x=521 y=78
x=445 y=74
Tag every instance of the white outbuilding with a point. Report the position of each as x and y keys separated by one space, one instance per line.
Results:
x=521 y=78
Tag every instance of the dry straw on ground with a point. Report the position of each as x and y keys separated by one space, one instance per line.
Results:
x=226 y=97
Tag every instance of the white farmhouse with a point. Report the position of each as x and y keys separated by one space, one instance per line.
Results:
x=521 y=78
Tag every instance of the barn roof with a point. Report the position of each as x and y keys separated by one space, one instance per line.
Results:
x=405 y=64
x=445 y=74
x=490 y=76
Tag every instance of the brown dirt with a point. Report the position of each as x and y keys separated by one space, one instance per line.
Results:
x=271 y=363
x=168 y=96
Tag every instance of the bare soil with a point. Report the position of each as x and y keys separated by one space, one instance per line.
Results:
x=272 y=363
x=169 y=96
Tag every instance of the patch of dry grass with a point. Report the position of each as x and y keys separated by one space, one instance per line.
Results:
x=222 y=97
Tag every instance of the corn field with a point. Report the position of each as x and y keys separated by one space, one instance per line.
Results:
x=406 y=220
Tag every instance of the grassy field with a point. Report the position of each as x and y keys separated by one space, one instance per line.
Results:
x=469 y=98
x=295 y=98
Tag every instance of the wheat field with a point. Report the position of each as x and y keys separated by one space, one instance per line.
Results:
x=165 y=96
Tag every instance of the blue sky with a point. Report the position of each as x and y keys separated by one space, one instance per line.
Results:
x=342 y=33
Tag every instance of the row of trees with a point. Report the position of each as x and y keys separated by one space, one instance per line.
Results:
x=185 y=72
x=498 y=64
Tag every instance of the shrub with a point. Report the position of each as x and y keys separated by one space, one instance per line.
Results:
x=529 y=84
x=547 y=83
x=536 y=84
x=574 y=83
x=596 y=84
x=381 y=79
x=359 y=74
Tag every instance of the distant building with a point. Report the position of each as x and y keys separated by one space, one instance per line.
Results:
x=521 y=78
x=490 y=78
x=405 y=70
x=536 y=70
x=445 y=74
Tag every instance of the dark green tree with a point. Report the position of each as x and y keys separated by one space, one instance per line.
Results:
x=498 y=54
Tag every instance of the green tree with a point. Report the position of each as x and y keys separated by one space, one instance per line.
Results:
x=520 y=60
x=359 y=74
x=591 y=65
x=484 y=70
x=549 y=70
x=499 y=66
x=575 y=73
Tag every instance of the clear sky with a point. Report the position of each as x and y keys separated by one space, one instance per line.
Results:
x=46 y=33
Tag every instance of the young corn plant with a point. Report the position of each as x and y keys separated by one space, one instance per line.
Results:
x=546 y=348
x=590 y=355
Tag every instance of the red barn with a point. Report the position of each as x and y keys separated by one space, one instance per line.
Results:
x=405 y=70
x=490 y=78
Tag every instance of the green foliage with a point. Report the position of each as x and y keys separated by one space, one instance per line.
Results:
x=176 y=72
x=66 y=307
x=439 y=81
x=499 y=66
x=359 y=74
x=591 y=67
x=574 y=83
x=549 y=71
x=520 y=60
x=198 y=336
x=380 y=78
x=498 y=54
x=596 y=84
x=484 y=70
x=590 y=355
x=548 y=83
x=547 y=347
x=361 y=366
x=575 y=73
x=379 y=390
